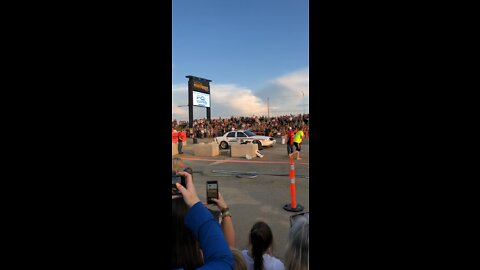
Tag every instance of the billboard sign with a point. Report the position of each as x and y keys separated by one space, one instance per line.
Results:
x=201 y=99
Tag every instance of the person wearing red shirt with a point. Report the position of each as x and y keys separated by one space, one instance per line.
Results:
x=182 y=136
x=174 y=135
x=290 y=136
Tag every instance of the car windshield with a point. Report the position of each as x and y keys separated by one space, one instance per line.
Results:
x=249 y=133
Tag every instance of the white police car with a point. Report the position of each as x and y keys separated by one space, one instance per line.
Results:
x=237 y=136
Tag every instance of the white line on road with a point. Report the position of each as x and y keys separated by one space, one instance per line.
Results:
x=218 y=162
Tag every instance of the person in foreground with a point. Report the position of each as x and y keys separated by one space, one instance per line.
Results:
x=239 y=260
x=203 y=227
x=296 y=252
x=260 y=257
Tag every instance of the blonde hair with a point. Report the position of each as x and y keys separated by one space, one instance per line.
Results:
x=296 y=254
x=238 y=260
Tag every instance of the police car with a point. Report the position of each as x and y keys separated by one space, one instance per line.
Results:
x=239 y=136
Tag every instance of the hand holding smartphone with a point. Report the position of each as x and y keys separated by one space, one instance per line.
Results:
x=177 y=179
x=212 y=191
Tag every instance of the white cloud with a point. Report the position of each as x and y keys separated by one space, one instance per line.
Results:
x=295 y=82
x=179 y=98
x=227 y=100
x=231 y=100
x=285 y=93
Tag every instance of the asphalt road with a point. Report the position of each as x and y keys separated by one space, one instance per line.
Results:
x=258 y=198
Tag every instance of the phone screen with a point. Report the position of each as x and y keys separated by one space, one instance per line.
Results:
x=212 y=191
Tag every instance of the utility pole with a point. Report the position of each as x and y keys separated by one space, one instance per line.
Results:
x=268 y=108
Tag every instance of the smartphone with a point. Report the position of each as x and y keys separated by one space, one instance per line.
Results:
x=177 y=179
x=212 y=191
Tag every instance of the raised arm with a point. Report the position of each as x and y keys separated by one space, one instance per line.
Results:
x=199 y=220
x=227 y=224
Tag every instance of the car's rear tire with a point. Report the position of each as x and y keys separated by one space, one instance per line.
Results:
x=260 y=147
x=223 y=145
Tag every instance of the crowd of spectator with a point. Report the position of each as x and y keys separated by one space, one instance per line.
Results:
x=275 y=126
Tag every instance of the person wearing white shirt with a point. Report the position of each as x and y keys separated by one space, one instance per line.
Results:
x=260 y=252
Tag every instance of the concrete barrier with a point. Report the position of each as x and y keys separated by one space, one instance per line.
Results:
x=174 y=148
x=240 y=150
x=206 y=149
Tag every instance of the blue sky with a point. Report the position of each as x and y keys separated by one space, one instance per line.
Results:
x=251 y=50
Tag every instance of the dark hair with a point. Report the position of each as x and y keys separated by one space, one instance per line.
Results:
x=185 y=247
x=261 y=238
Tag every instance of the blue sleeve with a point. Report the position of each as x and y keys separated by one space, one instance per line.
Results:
x=216 y=253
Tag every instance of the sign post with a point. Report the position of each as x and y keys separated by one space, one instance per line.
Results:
x=198 y=95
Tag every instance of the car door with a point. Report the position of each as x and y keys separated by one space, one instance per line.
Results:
x=240 y=136
x=231 y=137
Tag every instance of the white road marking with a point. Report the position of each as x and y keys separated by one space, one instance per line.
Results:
x=217 y=162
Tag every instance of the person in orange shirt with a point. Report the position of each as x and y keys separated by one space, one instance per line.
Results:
x=182 y=136
x=174 y=135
